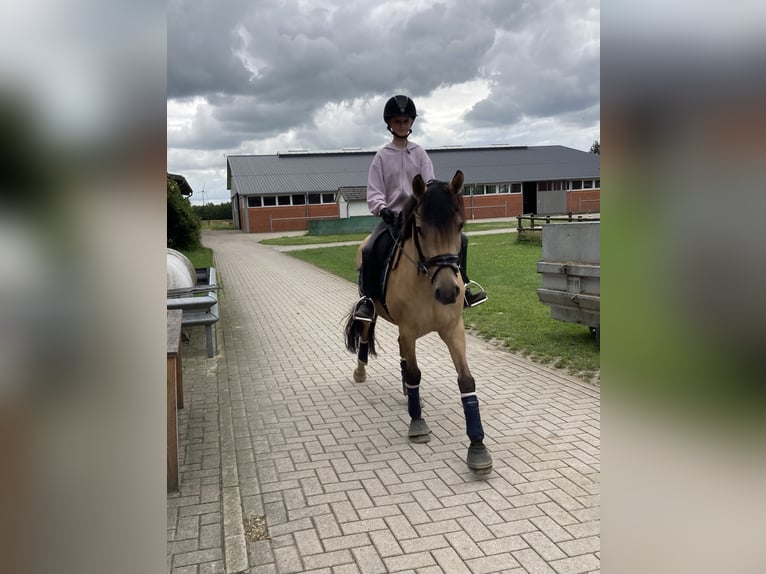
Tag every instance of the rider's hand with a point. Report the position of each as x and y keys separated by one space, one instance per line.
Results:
x=388 y=215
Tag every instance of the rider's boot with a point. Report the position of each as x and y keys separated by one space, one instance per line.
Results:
x=365 y=308
x=471 y=299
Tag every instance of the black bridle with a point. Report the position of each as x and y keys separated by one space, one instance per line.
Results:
x=441 y=261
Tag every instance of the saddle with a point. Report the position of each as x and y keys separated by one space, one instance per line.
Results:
x=384 y=254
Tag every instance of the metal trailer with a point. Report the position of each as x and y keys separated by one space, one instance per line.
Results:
x=571 y=273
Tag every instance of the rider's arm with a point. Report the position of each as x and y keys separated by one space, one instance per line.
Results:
x=376 y=191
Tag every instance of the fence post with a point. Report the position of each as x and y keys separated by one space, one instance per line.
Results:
x=518 y=224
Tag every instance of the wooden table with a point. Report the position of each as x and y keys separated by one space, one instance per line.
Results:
x=175 y=392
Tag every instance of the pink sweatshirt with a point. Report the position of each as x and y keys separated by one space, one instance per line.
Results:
x=389 y=183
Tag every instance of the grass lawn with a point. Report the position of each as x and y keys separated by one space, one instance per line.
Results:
x=316 y=239
x=313 y=239
x=218 y=225
x=513 y=316
x=201 y=257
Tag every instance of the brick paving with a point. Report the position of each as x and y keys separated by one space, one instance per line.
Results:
x=275 y=429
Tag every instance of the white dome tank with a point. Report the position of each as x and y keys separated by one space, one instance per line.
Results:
x=181 y=273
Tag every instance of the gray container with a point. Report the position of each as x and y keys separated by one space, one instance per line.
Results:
x=571 y=273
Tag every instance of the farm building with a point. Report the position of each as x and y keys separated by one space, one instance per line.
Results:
x=286 y=191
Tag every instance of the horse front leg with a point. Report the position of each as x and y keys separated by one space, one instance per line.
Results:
x=418 y=431
x=478 y=458
x=366 y=334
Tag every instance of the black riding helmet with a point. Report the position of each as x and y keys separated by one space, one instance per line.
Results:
x=399 y=106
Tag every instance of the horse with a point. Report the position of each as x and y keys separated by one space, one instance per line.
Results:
x=424 y=293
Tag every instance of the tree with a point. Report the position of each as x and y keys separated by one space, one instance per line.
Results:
x=595 y=148
x=213 y=211
x=183 y=224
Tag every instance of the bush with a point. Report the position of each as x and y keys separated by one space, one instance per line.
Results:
x=183 y=224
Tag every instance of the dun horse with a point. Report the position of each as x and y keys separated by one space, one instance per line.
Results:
x=424 y=294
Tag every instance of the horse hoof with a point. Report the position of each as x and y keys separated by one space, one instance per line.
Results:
x=419 y=431
x=479 y=460
x=360 y=373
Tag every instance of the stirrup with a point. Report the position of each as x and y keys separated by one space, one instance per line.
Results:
x=362 y=301
x=467 y=303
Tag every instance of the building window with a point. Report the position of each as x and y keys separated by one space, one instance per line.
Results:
x=269 y=200
x=468 y=189
x=253 y=201
x=328 y=198
x=587 y=184
x=597 y=184
x=315 y=198
x=515 y=188
x=299 y=199
x=544 y=186
x=283 y=200
x=576 y=184
x=502 y=188
x=490 y=188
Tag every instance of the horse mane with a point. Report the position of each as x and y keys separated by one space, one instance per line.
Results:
x=438 y=208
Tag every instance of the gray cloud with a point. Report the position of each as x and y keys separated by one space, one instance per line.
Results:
x=272 y=69
x=549 y=67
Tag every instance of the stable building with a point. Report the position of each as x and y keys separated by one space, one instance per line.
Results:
x=289 y=191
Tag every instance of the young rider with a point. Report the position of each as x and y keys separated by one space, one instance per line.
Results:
x=389 y=186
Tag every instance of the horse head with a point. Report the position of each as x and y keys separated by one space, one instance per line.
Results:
x=437 y=217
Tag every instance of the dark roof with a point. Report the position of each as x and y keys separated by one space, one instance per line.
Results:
x=328 y=171
x=183 y=185
x=353 y=193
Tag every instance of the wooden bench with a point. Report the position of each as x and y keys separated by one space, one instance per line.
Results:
x=175 y=393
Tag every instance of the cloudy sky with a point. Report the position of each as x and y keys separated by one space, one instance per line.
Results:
x=262 y=77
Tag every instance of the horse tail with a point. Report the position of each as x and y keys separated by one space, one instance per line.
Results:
x=354 y=331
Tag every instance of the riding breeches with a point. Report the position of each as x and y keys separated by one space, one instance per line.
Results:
x=374 y=256
x=463 y=256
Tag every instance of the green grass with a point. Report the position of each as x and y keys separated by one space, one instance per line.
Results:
x=314 y=239
x=218 y=224
x=489 y=225
x=201 y=257
x=513 y=316
x=317 y=239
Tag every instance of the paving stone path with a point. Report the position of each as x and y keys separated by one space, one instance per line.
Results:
x=289 y=466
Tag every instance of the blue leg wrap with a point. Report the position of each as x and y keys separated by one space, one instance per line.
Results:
x=413 y=402
x=472 y=418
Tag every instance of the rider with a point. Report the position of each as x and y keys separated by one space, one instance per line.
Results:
x=389 y=185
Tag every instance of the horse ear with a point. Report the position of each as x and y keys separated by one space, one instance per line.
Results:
x=457 y=182
x=418 y=186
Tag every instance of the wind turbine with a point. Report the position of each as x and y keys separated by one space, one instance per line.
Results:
x=203 y=203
